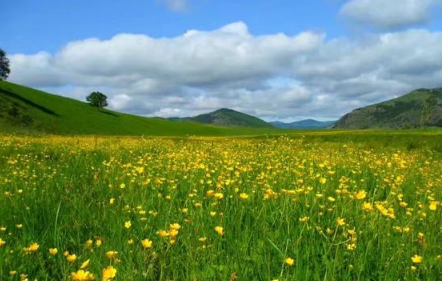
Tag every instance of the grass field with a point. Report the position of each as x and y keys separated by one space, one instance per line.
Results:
x=310 y=206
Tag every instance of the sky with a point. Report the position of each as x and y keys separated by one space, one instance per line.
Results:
x=279 y=60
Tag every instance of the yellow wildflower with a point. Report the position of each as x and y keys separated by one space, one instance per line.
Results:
x=417 y=259
x=146 y=243
x=289 y=261
x=219 y=230
x=71 y=258
x=85 y=264
x=32 y=248
x=82 y=275
x=108 y=273
x=360 y=195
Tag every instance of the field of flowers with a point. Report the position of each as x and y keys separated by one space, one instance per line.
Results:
x=283 y=208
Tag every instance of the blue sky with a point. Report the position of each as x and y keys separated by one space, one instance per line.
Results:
x=279 y=59
x=49 y=24
x=52 y=23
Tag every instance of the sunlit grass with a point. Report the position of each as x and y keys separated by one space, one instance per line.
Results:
x=304 y=208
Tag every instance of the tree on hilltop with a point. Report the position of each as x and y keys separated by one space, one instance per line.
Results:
x=97 y=99
x=4 y=65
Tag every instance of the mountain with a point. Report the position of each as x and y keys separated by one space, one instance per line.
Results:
x=27 y=110
x=420 y=108
x=227 y=117
x=304 y=124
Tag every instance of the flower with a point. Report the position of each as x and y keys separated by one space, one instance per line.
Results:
x=85 y=264
x=71 y=258
x=2 y=242
x=111 y=255
x=108 y=273
x=127 y=224
x=289 y=261
x=219 y=230
x=175 y=226
x=53 y=251
x=244 y=196
x=361 y=194
x=32 y=248
x=146 y=243
x=340 y=221
x=366 y=206
x=417 y=259
x=173 y=233
x=82 y=275
x=304 y=219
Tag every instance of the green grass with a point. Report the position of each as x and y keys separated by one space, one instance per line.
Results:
x=26 y=110
x=59 y=190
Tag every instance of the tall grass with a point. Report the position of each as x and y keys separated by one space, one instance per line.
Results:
x=342 y=208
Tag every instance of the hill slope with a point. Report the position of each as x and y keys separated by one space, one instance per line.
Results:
x=23 y=109
x=420 y=108
x=227 y=117
x=304 y=124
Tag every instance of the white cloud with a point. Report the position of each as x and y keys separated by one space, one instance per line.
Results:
x=387 y=13
x=272 y=76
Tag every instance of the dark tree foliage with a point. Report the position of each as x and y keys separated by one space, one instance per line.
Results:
x=97 y=99
x=4 y=65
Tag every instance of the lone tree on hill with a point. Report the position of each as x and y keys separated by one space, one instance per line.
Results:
x=4 y=65
x=97 y=99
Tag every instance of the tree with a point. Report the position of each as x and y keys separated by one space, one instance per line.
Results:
x=4 y=65
x=97 y=99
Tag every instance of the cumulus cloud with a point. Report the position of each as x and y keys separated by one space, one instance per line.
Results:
x=273 y=76
x=387 y=13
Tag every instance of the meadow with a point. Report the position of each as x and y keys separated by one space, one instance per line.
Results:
x=310 y=206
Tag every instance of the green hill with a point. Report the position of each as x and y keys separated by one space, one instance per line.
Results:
x=419 y=109
x=227 y=117
x=27 y=110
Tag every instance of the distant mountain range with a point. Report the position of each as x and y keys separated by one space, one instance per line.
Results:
x=304 y=124
x=227 y=117
x=24 y=109
x=418 y=109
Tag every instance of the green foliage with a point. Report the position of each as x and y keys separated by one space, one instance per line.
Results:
x=4 y=65
x=97 y=99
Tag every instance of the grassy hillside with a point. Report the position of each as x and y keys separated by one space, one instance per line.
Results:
x=27 y=110
x=418 y=109
x=228 y=117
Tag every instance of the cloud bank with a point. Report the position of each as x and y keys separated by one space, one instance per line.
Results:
x=273 y=76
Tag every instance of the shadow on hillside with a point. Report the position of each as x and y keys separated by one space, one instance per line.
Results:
x=109 y=113
x=28 y=102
